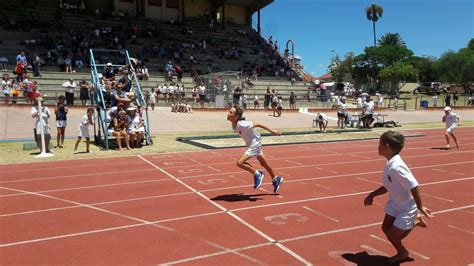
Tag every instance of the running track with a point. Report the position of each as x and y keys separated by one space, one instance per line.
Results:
x=199 y=208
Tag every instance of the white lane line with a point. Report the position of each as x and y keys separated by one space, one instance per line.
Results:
x=297 y=163
x=434 y=197
x=444 y=171
x=262 y=234
x=337 y=163
x=88 y=187
x=320 y=214
x=98 y=204
x=337 y=196
x=367 y=180
x=330 y=171
x=359 y=156
x=374 y=250
x=409 y=250
x=321 y=186
x=460 y=229
x=212 y=168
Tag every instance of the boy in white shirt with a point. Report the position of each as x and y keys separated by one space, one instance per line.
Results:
x=451 y=120
x=253 y=141
x=322 y=121
x=404 y=200
x=83 y=129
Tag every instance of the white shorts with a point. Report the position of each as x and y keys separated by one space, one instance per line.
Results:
x=404 y=220
x=450 y=129
x=254 y=151
x=61 y=123
x=83 y=132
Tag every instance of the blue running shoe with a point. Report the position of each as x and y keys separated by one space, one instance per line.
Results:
x=277 y=183
x=258 y=179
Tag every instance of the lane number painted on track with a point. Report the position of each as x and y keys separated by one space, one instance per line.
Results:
x=212 y=181
x=281 y=219
x=189 y=171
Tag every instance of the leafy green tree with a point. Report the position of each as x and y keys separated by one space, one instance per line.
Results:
x=400 y=72
x=392 y=39
x=458 y=67
x=339 y=68
x=374 y=13
x=425 y=68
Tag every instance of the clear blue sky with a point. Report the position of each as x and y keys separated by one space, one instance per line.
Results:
x=323 y=28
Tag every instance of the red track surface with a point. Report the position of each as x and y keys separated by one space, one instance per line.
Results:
x=199 y=208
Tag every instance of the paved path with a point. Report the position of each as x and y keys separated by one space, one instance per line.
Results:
x=16 y=122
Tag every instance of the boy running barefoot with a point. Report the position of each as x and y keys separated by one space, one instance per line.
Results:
x=253 y=141
x=451 y=120
x=404 y=200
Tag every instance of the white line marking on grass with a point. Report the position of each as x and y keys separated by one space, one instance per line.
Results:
x=320 y=214
x=431 y=196
x=410 y=250
x=268 y=238
x=460 y=229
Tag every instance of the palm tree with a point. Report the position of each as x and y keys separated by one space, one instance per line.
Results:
x=374 y=13
x=392 y=39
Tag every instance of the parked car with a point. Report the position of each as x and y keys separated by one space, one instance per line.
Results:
x=429 y=88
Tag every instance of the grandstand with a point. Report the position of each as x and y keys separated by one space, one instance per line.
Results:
x=50 y=26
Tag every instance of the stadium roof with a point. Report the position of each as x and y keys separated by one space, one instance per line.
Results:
x=254 y=5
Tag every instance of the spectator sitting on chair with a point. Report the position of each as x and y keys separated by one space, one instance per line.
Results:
x=368 y=113
x=322 y=121
x=109 y=73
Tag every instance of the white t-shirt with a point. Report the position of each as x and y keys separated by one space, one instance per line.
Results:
x=398 y=180
x=368 y=107
x=322 y=119
x=341 y=107
x=248 y=133
x=69 y=87
x=152 y=97
x=46 y=114
x=6 y=87
x=450 y=119
x=202 y=90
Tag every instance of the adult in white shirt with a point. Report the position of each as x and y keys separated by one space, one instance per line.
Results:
x=45 y=114
x=379 y=100
x=451 y=120
x=69 y=87
x=341 y=113
x=368 y=114
x=202 y=95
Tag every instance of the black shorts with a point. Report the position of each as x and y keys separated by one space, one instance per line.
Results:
x=367 y=116
x=341 y=115
x=202 y=97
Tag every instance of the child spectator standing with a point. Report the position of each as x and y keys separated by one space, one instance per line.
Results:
x=83 y=129
x=61 y=120
x=6 y=88
x=253 y=141
x=404 y=203
x=451 y=120
x=152 y=99
x=256 y=102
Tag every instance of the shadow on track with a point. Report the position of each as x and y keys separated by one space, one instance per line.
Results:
x=241 y=197
x=365 y=259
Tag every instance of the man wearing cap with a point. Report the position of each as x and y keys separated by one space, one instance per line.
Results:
x=451 y=120
x=69 y=87
x=109 y=73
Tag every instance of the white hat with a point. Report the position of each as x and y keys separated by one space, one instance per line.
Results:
x=447 y=108
x=99 y=75
x=109 y=64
